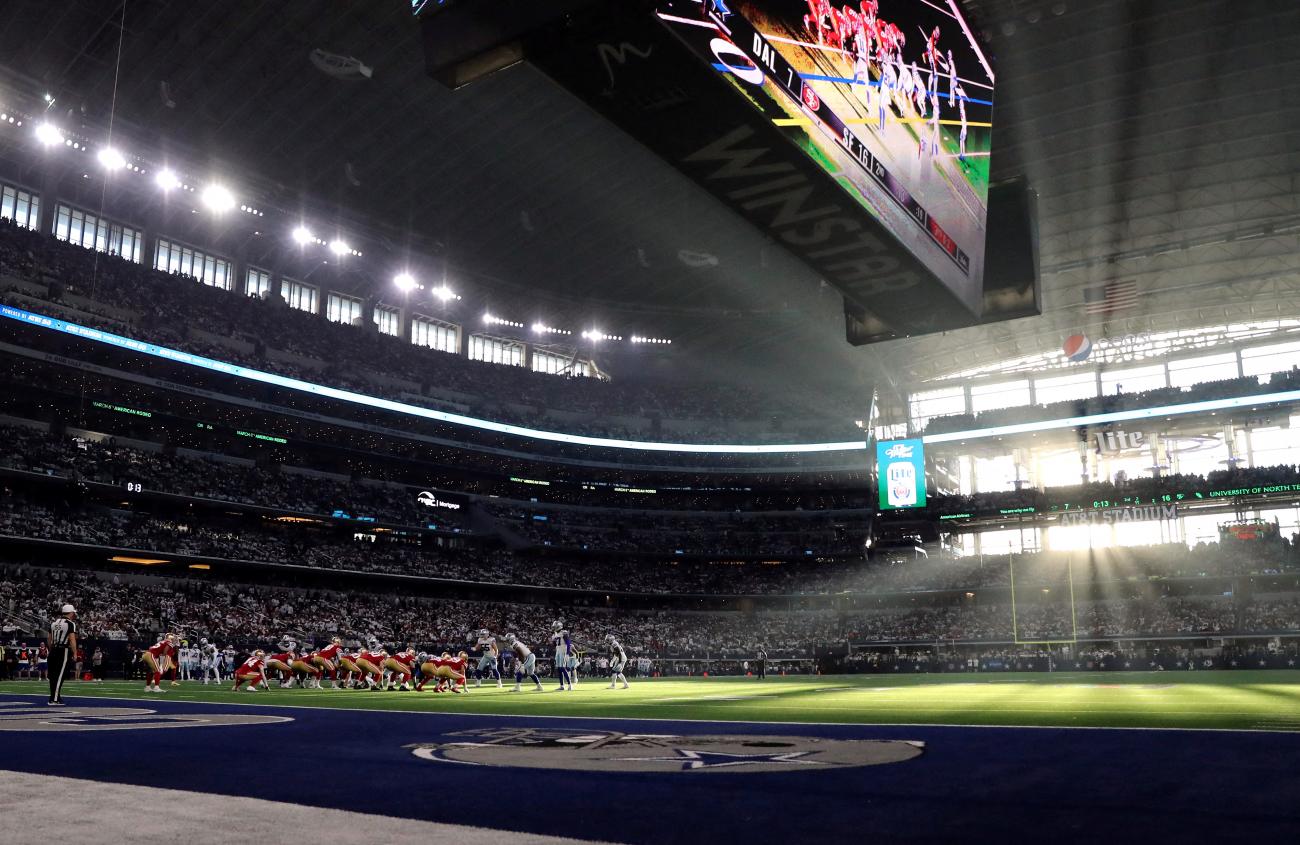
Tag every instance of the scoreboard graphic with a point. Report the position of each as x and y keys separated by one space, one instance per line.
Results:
x=893 y=98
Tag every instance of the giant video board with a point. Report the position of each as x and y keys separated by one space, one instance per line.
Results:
x=893 y=99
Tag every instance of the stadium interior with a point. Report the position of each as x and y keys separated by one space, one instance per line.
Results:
x=500 y=345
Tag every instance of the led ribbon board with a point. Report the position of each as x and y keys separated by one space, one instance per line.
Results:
x=174 y=355
x=1119 y=416
x=238 y=371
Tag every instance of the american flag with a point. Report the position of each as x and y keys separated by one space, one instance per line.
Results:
x=1110 y=297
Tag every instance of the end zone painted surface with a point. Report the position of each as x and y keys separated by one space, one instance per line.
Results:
x=976 y=784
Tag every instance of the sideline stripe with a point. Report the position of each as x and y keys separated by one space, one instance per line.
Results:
x=688 y=721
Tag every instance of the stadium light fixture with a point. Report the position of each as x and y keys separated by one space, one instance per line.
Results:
x=339 y=248
x=445 y=293
x=166 y=179
x=302 y=235
x=48 y=134
x=111 y=159
x=405 y=282
x=218 y=198
x=500 y=321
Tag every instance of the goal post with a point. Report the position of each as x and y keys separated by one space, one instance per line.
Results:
x=1015 y=609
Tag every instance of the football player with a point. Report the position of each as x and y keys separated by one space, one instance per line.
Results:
x=370 y=662
x=156 y=659
x=305 y=670
x=617 y=661
x=282 y=662
x=253 y=671
x=525 y=662
x=348 y=662
x=563 y=648
x=401 y=667
x=210 y=657
x=489 y=661
x=327 y=661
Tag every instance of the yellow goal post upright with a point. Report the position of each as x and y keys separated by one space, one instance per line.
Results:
x=1074 y=616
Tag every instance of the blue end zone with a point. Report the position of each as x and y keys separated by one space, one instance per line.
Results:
x=973 y=784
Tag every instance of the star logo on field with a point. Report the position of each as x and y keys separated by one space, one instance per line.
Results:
x=691 y=759
x=1290 y=663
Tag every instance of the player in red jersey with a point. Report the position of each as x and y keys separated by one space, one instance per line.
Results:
x=306 y=670
x=282 y=662
x=156 y=659
x=402 y=669
x=327 y=660
x=253 y=670
x=348 y=663
x=820 y=20
x=370 y=662
x=429 y=664
x=458 y=667
x=445 y=668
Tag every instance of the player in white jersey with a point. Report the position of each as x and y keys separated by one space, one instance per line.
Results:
x=525 y=662
x=961 y=110
x=863 y=34
x=617 y=661
x=574 y=660
x=183 y=662
x=228 y=658
x=563 y=648
x=209 y=660
x=489 y=661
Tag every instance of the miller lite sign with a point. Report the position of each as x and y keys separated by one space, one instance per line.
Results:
x=1118 y=440
x=900 y=470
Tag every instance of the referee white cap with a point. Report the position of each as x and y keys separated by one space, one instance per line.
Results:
x=67 y=608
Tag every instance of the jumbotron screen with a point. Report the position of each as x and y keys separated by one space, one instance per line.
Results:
x=893 y=98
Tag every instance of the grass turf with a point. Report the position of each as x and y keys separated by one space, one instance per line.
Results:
x=1244 y=700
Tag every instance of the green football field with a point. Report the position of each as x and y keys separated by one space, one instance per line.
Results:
x=1244 y=700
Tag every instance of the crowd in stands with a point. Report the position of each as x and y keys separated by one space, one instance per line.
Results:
x=623 y=532
x=136 y=607
x=1137 y=563
x=88 y=459
x=1145 y=487
x=271 y=541
x=1225 y=389
x=264 y=332
x=289 y=543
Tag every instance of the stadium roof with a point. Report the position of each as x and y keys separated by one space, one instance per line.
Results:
x=1163 y=139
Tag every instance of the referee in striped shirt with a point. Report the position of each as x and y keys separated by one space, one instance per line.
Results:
x=63 y=644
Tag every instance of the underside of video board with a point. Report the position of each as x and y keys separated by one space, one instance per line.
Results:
x=858 y=136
